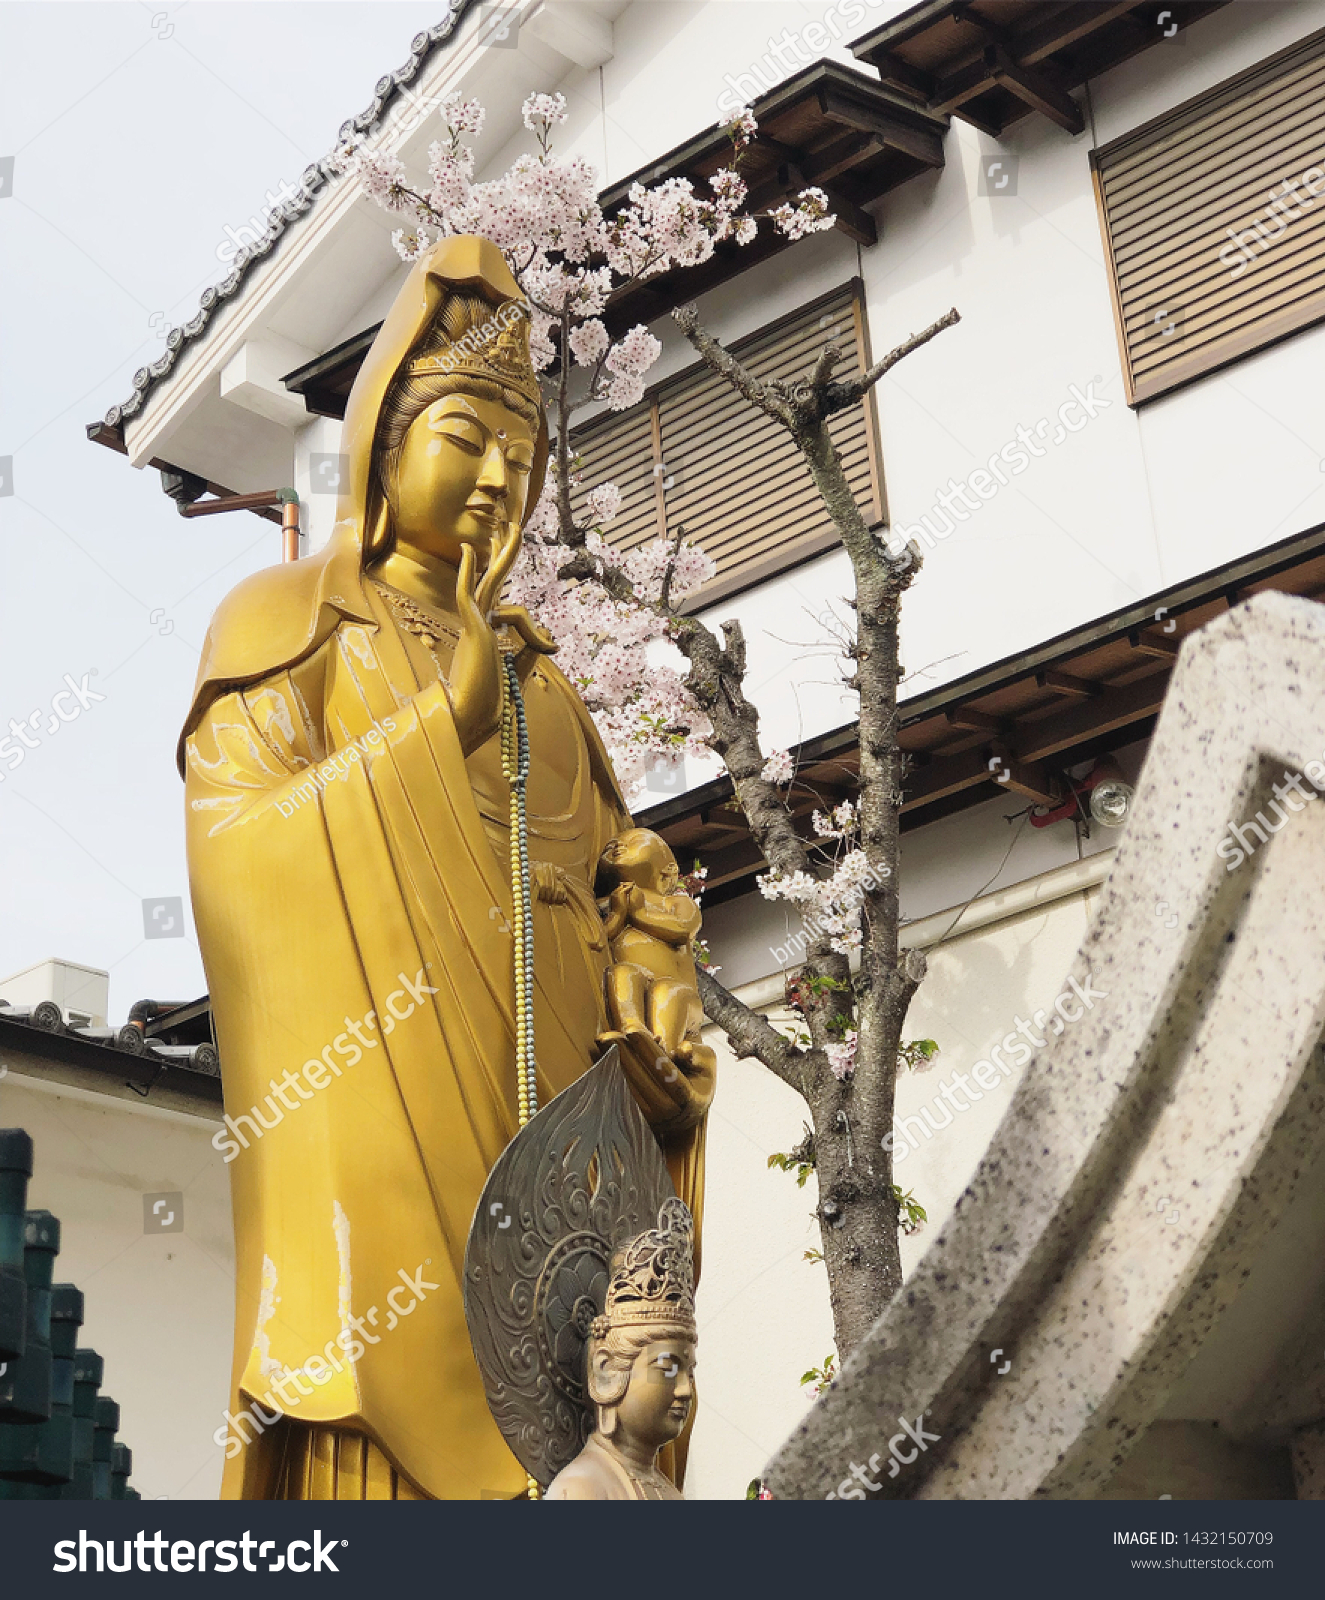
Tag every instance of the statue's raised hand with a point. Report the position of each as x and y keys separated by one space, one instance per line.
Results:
x=476 y=668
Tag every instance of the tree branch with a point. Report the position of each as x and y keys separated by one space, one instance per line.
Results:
x=840 y=395
x=751 y=1034
x=723 y=362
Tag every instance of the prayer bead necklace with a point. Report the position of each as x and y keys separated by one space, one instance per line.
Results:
x=515 y=767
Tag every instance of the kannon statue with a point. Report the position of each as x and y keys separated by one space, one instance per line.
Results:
x=350 y=838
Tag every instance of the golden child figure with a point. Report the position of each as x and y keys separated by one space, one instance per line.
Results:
x=348 y=834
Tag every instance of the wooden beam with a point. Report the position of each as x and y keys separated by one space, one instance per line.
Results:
x=850 y=219
x=962 y=84
x=1036 y=89
x=1022 y=777
x=976 y=721
x=944 y=776
x=1065 y=683
x=898 y=132
x=994 y=32
x=775 y=147
x=1114 y=709
x=1150 y=642
x=1059 y=32
x=899 y=74
x=1035 y=742
x=841 y=156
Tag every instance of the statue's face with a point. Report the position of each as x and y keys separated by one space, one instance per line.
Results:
x=463 y=476
x=661 y=1393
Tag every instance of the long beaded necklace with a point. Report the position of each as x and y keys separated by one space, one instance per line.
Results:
x=515 y=768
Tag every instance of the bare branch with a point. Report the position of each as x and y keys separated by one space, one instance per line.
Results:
x=829 y=357
x=751 y=1034
x=582 y=566
x=727 y=366
x=665 y=593
x=845 y=394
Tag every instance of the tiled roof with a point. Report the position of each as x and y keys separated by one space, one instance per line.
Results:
x=175 y=1040
x=315 y=179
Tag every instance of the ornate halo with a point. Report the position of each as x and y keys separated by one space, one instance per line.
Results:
x=580 y=1180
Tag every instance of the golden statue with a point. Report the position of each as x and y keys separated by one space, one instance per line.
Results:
x=350 y=798
x=640 y=1368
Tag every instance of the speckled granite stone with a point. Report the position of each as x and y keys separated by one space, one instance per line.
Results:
x=1151 y=1145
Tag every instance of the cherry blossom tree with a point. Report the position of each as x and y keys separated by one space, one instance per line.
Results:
x=616 y=614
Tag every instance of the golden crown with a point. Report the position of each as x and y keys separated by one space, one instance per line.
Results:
x=652 y=1276
x=497 y=348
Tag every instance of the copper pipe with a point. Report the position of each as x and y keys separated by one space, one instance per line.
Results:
x=290 y=529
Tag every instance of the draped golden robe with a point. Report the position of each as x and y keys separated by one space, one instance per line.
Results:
x=352 y=898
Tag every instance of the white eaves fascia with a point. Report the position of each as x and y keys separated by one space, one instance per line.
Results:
x=245 y=317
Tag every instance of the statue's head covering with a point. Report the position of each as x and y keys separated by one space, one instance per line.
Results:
x=282 y=614
x=461 y=262
x=651 y=1283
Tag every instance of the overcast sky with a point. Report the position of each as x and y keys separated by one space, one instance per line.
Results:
x=137 y=132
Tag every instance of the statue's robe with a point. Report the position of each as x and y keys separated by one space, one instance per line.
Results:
x=377 y=898
x=328 y=893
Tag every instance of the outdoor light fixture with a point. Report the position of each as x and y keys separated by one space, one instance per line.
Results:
x=1103 y=792
x=1111 y=802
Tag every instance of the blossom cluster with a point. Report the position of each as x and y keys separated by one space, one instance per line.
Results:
x=831 y=905
x=569 y=257
x=842 y=1055
x=778 y=769
x=639 y=703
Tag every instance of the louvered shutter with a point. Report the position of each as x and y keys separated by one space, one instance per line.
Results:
x=1176 y=196
x=726 y=473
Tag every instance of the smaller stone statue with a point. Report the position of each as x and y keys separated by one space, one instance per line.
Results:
x=653 y=1005
x=640 y=1367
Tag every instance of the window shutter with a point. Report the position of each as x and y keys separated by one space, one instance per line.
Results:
x=695 y=454
x=1176 y=195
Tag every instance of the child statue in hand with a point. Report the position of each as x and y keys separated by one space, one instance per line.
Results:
x=653 y=1005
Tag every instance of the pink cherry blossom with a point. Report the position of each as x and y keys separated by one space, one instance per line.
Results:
x=569 y=257
x=778 y=768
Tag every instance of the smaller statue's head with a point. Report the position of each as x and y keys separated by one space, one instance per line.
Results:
x=458 y=437
x=641 y=1352
x=640 y=857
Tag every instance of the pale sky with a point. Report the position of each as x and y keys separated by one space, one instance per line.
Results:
x=137 y=131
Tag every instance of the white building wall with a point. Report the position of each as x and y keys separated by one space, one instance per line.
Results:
x=1115 y=505
x=1129 y=502
x=159 y=1306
